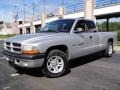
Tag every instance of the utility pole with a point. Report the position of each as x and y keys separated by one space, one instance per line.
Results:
x=33 y=8
x=24 y=11
x=44 y=6
x=24 y=18
x=61 y=10
x=15 y=20
x=44 y=14
x=62 y=3
x=15 y=13
x=39 y=9
x=39 y=6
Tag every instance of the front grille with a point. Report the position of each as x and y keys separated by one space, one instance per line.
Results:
x=8 y=48
x=13 y=47
x=17 y=49
x=7 y=43
x=16 y=44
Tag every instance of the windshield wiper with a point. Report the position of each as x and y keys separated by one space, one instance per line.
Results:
x=49 y=31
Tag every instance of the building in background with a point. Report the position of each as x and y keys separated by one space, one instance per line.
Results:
x=89 y=9
x=5 y=28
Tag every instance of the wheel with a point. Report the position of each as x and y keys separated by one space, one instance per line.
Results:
x=109 y=50
x=55 y=64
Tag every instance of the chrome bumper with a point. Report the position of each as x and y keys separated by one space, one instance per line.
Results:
x=27 y=61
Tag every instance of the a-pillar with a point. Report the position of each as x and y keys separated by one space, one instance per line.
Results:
x=44 y=17
x=61 y=12
x=107 y=24
x=31 y=25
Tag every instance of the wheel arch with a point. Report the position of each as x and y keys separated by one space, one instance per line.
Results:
x=110 y=40
x=63 y=48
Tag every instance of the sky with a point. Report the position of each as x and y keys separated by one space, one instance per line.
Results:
x=7 y=7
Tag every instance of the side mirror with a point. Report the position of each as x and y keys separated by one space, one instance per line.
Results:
x=78 y=30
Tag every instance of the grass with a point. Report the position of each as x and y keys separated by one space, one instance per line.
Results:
x=118 y=34
x=6 y=36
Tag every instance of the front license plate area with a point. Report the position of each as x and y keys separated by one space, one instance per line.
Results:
x=11 y=63
x=12 y=60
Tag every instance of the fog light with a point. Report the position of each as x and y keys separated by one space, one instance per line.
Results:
x=18 y=60
x=6 y=58
x=25 y=64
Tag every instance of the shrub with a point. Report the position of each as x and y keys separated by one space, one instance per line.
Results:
x=118 y=34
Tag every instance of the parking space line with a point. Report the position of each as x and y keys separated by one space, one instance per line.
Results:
x=7 y=87
x=1 y=50
x=2 y=57
x=15 y=74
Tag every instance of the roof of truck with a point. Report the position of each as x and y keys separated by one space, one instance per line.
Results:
x=77 y=19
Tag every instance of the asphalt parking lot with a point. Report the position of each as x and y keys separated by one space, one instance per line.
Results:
x=93 y=72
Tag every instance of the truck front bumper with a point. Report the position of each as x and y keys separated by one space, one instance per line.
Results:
x=22 y=60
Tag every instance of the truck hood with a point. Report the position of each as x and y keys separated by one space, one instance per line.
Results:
x=30 y=37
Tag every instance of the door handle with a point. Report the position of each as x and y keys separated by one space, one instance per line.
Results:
x=90 y=37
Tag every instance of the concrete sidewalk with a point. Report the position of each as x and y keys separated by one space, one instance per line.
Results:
x=2 y=39
x=117 y=48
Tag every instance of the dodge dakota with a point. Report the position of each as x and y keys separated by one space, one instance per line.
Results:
x=57 y=43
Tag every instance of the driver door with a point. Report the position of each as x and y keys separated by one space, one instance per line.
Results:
x=85 y=37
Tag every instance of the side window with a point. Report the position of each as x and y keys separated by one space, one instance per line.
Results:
x=91 y=24
x=81 y=24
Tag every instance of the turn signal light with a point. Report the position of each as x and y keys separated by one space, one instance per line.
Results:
x=30 y=52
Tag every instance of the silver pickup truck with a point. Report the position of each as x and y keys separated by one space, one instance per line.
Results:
x=57 y=43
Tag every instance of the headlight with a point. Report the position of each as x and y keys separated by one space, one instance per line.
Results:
x=29 y=50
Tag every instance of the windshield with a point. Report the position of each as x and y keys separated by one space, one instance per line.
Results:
x=58 y=26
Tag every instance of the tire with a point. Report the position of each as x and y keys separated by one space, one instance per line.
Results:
x=55 y=64
x=109 y=49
